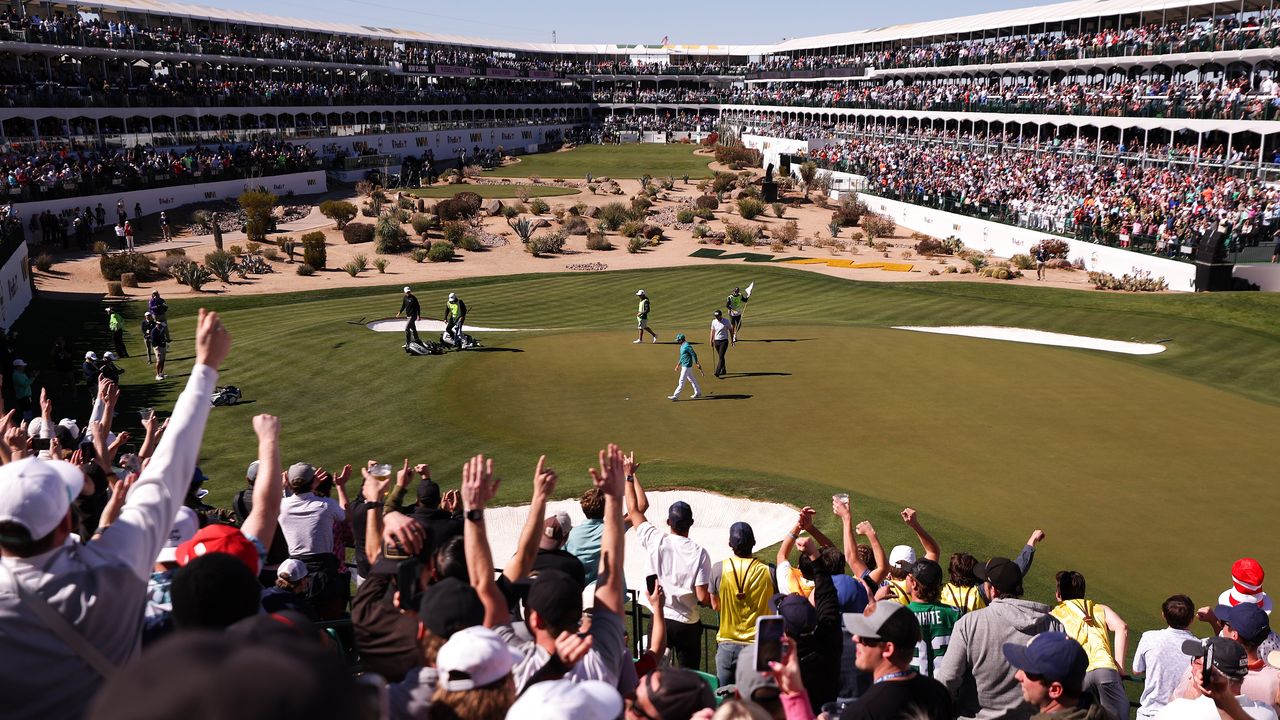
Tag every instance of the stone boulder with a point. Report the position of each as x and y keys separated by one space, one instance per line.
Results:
x=492 y=207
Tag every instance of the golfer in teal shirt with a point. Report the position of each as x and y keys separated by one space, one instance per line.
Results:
x=688 y=361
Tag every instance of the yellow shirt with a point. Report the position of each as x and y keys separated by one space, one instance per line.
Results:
x=965 y=598
x=1081 y=619
x=744 y=591
x=897 y=590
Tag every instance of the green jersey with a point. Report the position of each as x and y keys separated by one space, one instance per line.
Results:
x=936 y=622
x=688 y=358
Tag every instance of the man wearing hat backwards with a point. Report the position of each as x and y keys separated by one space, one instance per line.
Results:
x=412 y=310
x=1225 y=698
x=642 y=319
x=979 y=678
x=740 y=591
x=1051 y=671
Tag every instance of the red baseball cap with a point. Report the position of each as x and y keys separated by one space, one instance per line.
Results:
x=219 y=539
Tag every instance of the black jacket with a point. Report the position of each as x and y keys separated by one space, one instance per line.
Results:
x=820 y=651
x=410 y=307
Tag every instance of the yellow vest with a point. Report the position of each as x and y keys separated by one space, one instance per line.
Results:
x=964 y=598
x=1082 y=620
x=748 y=577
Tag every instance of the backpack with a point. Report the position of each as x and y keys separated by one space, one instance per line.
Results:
x=467 y=340
x=427 y=348
x=225 y=395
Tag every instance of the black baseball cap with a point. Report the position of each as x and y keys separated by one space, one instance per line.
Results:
x=556 y=596
x=928 y=573
x=429 y=493
x=1003 y=574
x=1229 y=656
x=680 y=693
x=799 y=618
x=450 y=605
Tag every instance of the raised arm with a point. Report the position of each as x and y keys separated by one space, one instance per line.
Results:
x=153 y=500
x=877 y=551
x=806 y=517
x=611 y=480
x=931 y=549
x=848 y=537
x=789 y=542
x=478 y=488
x=154 y=431
x=267 y=489
x=658 y=625
x=544 y=483
x=637 y=501
x=371 y=491
x=1023 y=561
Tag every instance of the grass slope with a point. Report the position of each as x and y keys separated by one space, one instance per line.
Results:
x=1108 y=454
x=501 y=192
x=614 y=161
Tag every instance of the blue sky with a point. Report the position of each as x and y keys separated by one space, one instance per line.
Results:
x=743 y=22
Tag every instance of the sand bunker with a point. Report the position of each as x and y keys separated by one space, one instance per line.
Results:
x=427 y=325
x=712 y=516
x=1040 y=337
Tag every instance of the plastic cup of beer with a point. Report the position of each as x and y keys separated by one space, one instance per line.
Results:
x=841 y=498
x=382 y=471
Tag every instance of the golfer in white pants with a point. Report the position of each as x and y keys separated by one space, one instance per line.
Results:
x=688 y=361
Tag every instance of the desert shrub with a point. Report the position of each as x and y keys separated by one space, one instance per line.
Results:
x=613 y=215
x=788 y=233
x=221 y=263
x=576 y=225
x=750 y=208
x=371 y=210
x=597 y=241
x=391 y=238
x=418 y=255
x=538 y=206
x=453 y=231
x=313 y=250
x=252 y=247
x=422 y=223
x=975 y=258
x=737 y=155
x=700 y=231
x=849 y=213
x=271 y=253
x=640 y=205
x=998 y=273
x=459 y=207
x=381 y=264
x=779 y=209
x=1055 y=247
x=721 y=182
x=523 y=229
x=1139 y=282
x=705 y=213
x=592 y=188
x=742 y=233
x=930 y=246
x=1060 y=264
x=165 y=263
x=952 y=245
x=43 y=262
x=440 y=251
x=306 y=270
x=950 y=269
x=934 y=271
x=636 y=244
x=808 y=172
x=352 y=268
x=405 y=203
x=547 y=244
x=191 y=275
x=876 y=225
x=833 y=228
x=631 y=228
x=339 y=211
x=257 y=206
x=358 y=233
x=707 y=202
x=559 y=213
x=1022 y=261
x=684 y=215
x=509 y=211
x=113 y=266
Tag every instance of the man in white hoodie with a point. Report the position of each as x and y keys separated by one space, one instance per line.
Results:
x=975 y=670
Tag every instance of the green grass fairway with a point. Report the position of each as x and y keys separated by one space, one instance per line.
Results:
x=1142 y=470
x=614 y=161
x=501 y=192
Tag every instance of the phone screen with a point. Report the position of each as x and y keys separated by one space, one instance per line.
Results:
x=651 y=582
x=39 y=444
x=768 y=641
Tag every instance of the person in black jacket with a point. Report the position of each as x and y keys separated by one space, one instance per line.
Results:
x=412 y=310
x=815 y=629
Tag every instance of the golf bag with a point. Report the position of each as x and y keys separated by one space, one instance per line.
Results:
x=467 y=341
x=225 y=395
x=427 y=348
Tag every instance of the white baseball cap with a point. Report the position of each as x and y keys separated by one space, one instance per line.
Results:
x=36 y=494
x=185 y=525
x=19 y=363
x=902 y=555
x=568 y=700
x=453 y=296
x=474 y=657
x=639 y=293
x=108 y=355
x=91 y=355
x=292 y=570
x=406 y=289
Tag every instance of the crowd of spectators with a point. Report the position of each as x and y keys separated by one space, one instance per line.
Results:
x=1229 y=33
x=82 y=171
x=1057 y=186
x=125 y=594
x=1223 y=99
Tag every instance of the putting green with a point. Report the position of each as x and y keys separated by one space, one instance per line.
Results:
x=501 y=192
x=1141 y=469
x=614 y=161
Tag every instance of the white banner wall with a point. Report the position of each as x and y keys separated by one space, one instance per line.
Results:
x=15 y=287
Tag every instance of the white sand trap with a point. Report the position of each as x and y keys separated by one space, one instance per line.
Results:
x=712 y=516
x=1040 y=337
x=396 y=325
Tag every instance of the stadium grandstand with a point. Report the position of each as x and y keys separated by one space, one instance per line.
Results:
x=1101 y=144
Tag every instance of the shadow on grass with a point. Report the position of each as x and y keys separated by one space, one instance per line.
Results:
x=725 y=397
x=774 y=340
x=494 y=349
x=758 y=374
